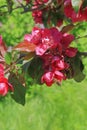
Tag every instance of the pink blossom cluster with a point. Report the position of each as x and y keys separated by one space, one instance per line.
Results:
x=53 y=48
x=38 y=13
x=42 y=14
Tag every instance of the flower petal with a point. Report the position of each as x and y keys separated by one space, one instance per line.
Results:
x=48 y=78
x=71 y=52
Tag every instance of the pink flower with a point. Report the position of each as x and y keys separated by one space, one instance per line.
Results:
x=41 y=49
x=51 y=37
x=35 y=37
x=59 y=76
x=49 y=40
x=48 y=78
x=57 y=63
x=54 y=49
x=28 y=37
x=5 y=86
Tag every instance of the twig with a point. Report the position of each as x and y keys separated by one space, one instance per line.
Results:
x=83 y=54
x=3 y=6
x=81 y=37
x=28 y=9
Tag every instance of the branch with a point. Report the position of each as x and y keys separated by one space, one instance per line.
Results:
x=3 y=6
x=83 y=54
x=26 y=8
x=81 y=37
x=40 y=7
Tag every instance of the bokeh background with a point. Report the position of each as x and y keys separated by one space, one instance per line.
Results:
x=47 y=108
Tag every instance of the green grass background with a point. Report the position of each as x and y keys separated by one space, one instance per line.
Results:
x=56 y=108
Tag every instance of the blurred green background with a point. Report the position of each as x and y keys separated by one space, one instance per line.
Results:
x=56 y=108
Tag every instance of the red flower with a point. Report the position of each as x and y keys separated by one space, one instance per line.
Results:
x=66 y=40
x=69 y=10
x=1 y=70
x=41 y=49
x=5 y=86
x=47 y=59
x=71 y=52
x=48 y=78
x=51 y=37
x=48 y=40
x=59 y=22
x=35 y=37
x=3 y=89
x=27 y=1
x=37 y=16
x=57 y=63
x=82 y=14
x=59 y=76
x=53 y=48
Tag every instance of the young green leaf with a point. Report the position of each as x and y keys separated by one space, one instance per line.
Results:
x=8 y=58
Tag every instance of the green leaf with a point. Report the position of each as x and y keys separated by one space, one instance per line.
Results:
x=76 y=4
x=84 y=4
x=19 y=89
x=45 y=17
x=35 y=70
x=8 y=58
x=78 y=69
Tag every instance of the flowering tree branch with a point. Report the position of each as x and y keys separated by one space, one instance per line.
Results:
x=46 y=54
